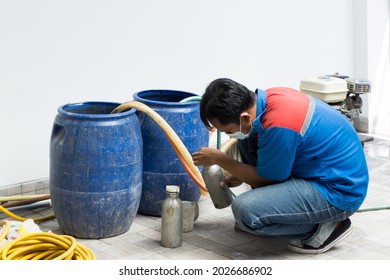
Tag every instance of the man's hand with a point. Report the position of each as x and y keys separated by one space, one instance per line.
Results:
x=229 y=180
x=239 y=171
x=206 y=156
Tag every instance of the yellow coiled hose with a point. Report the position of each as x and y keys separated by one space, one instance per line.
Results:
x=41 y=245
x=45 y=246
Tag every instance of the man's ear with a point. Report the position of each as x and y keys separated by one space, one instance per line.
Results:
x=246 y=116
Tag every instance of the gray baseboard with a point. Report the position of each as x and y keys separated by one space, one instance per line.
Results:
x=40 y=186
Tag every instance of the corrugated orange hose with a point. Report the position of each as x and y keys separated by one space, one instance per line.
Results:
x=179 y=147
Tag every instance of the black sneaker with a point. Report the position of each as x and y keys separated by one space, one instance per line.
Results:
x=342 y=231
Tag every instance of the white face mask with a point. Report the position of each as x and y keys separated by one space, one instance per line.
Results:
x=239 y=135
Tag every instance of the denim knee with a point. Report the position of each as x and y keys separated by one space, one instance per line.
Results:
x=241 y=212
x=235 y=206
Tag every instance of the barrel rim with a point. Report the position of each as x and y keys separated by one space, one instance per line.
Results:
x=137 y=97
x=61 y=110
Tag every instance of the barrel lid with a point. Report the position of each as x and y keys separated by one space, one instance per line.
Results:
x=172 y=188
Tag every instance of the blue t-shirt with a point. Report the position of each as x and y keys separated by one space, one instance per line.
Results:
x=303 y=137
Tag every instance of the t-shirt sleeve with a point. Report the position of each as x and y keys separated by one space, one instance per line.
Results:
x=276 y=153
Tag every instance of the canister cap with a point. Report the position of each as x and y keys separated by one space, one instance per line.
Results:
x=172 y=188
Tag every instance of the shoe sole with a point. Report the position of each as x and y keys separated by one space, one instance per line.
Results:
x=322 y=250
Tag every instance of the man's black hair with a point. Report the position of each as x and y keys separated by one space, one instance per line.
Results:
x=224 y=100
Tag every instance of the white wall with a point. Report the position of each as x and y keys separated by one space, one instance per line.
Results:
x=378 y=66
x=360 y=55
x=57 y=52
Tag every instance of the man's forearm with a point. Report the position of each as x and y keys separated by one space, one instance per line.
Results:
x=243 y=172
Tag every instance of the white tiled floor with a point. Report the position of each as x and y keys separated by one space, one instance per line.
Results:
x=214 y=237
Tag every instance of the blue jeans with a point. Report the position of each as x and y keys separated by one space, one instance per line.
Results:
x=293 y=209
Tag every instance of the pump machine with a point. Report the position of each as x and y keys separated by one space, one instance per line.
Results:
x=341 y=92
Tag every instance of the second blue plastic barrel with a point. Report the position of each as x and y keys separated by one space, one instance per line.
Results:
x=95 y=169
x=161 y=165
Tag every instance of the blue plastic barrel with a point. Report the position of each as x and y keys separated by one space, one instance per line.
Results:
x=95 y=169
x=161 y=165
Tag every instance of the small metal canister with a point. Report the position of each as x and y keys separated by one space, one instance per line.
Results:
x=172 y=218
x=221 y=196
